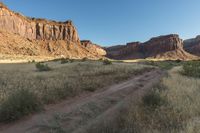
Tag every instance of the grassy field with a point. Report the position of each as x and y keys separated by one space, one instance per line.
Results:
x=25 y=89
x=173 y=106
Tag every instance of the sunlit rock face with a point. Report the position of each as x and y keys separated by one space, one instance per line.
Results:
x=32 y=28
x=20 y=35
x=162 y=47
x=162 y=44
x=94 y=48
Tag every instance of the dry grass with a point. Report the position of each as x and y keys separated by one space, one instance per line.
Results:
x=64 y=80
x=171 y=107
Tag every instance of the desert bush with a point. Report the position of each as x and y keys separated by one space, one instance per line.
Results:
x=107 y=62
x=191 y=68
x=72 y=60
x=42 y=67
x=64 y=61
x=178 y=61
x=84 y=59
x=100 y=59
x=19 y=104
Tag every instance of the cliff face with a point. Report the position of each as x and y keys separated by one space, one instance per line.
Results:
x=36 y=28
x=21 y=35
x=132 y=50
x=162 y=44
x=193 y=45
x=162 y=47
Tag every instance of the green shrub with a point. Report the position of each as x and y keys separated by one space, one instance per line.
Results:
x=107 y=62
x=178 y=61
x=84 y=59
x=64 y=61
x=42 y=67
x=192 y=69
x=19 y=104
x=101 y=59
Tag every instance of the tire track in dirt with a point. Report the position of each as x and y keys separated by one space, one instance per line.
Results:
x=78 y=113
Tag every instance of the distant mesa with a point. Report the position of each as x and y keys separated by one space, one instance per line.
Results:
x=168 y=47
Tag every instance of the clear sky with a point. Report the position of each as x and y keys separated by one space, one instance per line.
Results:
x=111 y=22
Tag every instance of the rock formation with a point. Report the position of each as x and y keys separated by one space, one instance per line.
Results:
x=94 y=48
x=39 y=29
x=49 y=38
x=162 y=47
x=132 y=50
x=193 y=45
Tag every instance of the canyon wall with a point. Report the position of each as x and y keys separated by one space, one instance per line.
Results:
x=32 y=28
x=193 y=45
x=20 y=35
x=162 y=47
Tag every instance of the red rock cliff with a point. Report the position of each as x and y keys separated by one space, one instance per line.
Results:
x=94 y=48
x=40 y=29
x=20 y=35
x=162 y=47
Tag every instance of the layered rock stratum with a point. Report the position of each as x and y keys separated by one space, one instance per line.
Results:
x=20 y=35
x=168 y=47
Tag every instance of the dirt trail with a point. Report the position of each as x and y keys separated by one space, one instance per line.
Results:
x=79 y=112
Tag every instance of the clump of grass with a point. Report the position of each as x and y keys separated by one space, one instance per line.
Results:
x=19 y=104
x=153 y=100
x=55 y=94
x=107 y=62
x=191 y=68
x=42 y=67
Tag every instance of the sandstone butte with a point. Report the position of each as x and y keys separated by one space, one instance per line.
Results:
x=20 y=35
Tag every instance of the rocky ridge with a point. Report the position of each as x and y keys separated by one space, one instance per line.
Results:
x=162 y=47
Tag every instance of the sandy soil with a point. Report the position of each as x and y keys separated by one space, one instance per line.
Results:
x=77 y=114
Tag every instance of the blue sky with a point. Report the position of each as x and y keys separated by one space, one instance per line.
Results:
x=111 y=22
